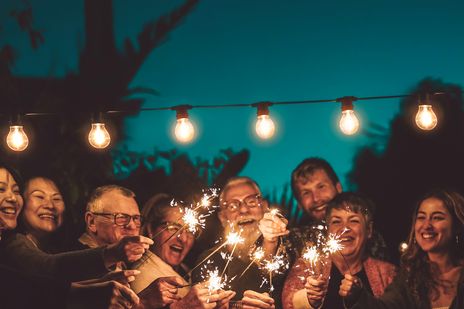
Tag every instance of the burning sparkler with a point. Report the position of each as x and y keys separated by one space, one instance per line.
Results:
x=256 y=256
x=276 y=265
x=192 y=218
x=233 y=238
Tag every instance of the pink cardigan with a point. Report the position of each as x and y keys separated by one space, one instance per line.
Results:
x=379 y=273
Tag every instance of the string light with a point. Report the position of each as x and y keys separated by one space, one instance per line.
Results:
x=425 y=117
x=184 y=130
x=265 y=127
x=349 y=123
x=17 y=139
x=99 y=137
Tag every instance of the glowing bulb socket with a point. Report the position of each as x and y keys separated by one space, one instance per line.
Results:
x=17 y=139
x=426 y=118
x=99 y=137
x=265 y=127
x=349 y=122
x=184 y=130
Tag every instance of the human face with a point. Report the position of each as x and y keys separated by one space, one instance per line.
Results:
x=104 y=228
x=44 y=207
x=249 y=211
x=11 y=201
x=174 y=250
x=353 y=230
x=433 y=228
x=314 y=192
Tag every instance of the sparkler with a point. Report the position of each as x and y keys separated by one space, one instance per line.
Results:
x=233 y=238
x=255 y=257
x=275 y=265
x=192 y=218
x=334 y=246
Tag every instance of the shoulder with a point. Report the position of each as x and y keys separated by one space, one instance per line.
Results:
x=379 y=264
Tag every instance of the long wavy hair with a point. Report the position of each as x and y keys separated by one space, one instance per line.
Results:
x=421 y=273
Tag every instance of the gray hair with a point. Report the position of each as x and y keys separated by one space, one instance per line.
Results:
x=94 y=205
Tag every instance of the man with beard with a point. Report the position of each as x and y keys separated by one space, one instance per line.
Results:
x=315 y=184
x=243 y=209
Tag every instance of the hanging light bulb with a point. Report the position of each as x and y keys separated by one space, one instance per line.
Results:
x=265 y=127
x=425 y=117
x=349 y=123
x=184 y=130
x=98 y=136
x=17 y=139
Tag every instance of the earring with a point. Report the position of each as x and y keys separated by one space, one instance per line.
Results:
x=414 y=240
x=457 y=239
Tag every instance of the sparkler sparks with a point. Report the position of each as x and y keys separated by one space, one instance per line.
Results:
x=193 y=220
x=334 y=243
x=276 y=265
x=234 y=238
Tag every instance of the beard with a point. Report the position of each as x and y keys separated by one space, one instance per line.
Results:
x=250 y=234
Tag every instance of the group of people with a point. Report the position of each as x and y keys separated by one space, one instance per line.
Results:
x=132 y=258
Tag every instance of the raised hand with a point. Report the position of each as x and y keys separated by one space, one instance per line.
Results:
x=272 y=226
x=199 y=297
x=350 y=285
x=127 y=249
x=161 y=292
x=253 y=300
x=224 y=298
x=316 y=289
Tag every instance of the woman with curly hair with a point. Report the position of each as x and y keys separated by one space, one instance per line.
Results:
x=432 y=272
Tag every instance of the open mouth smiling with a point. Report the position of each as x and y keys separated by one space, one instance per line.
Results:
x=245 y=222
x=9 y=210
x=48 y=217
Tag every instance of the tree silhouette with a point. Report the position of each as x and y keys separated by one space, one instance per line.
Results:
x=58 y=140
x=413 y=161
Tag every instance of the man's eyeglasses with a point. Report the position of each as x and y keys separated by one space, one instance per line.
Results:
x=251 y=201
x=121 y=219
x=178 y=229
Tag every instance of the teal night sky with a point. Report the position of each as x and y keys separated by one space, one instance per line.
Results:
x=247 y=51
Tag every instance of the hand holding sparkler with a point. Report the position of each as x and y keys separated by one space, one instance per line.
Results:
x=161 y=292
x=252 y=300
x=350 y=286
x=128 y=249
x=273 y=225
x=198 y=297
x=316 y=289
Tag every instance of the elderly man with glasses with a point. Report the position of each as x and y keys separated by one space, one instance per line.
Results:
x=113 y=218
x=244 y=210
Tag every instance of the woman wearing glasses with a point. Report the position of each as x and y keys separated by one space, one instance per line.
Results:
x=162 y=277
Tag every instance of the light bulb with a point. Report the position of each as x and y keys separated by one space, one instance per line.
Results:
x=349 y=123
x=98 y=136
x=184 y=130
x=265 y=127
x=17 y=139
x=403 y=247
x=426 y=118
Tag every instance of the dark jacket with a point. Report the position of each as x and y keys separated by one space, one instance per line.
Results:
x=20 y=253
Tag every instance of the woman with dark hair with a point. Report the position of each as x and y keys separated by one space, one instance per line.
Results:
x=432 y=266
x=22 y=290
x=349 y=216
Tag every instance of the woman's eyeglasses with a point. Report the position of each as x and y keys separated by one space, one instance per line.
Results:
x=176 y=228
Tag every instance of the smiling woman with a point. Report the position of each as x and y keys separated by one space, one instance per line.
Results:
x=432 y=272
x=349 y=216
x=43 y=211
